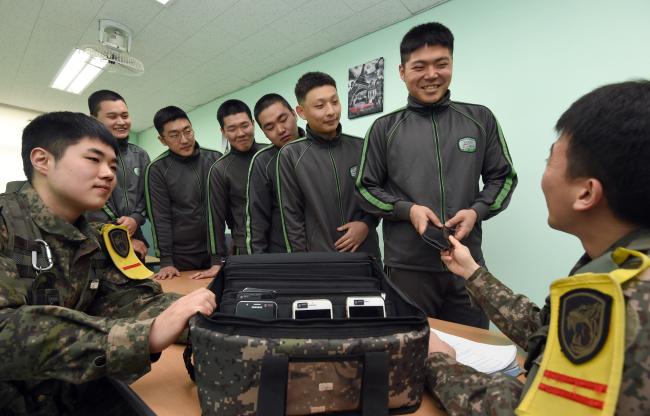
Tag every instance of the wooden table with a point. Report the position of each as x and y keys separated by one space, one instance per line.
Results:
x=168 y=390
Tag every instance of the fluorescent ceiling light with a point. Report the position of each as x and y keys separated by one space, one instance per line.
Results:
x=78 y=71
x=163 y=2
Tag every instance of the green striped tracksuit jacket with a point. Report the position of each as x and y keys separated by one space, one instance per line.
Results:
x=433 y=155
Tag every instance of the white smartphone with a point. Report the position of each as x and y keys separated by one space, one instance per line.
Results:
x=365 y=307
x=312 y=308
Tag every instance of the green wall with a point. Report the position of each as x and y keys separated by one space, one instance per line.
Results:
x=525 y=60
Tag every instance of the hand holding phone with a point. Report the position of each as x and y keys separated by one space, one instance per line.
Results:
x=437 y=237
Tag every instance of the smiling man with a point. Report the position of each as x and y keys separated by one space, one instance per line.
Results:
x=176 y=196
x=71 y=320
x=126 y=205
x=263 y=224
x=316 y=174
x=421 y=167
x=227 y=183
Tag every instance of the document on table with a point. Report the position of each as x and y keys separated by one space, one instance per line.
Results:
x=486 y=358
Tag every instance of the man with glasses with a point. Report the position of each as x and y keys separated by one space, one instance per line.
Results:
x=176 y=195
x=227 y=181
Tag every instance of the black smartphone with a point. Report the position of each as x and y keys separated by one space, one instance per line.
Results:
x=438 y=237
x=263 y=309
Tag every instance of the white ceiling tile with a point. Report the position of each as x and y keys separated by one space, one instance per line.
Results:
x=155 y=41
x=208 y=43
x=359 y=5
x=262 y=44
x=187 y=17
x=312 y=17
x=249 y=16
x=75 y=13
x=135 y=15
x=417 y=6
x=20 y=14
x=383 y=14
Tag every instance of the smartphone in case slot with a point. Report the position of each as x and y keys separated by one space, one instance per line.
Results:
x=365 y=307
x=312 y=308
x=259 y=309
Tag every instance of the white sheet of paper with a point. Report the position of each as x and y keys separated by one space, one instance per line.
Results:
x=486 y=358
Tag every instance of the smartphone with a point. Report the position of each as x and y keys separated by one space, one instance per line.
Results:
x=365 y=307
x=438 y=237
x=312 y=308
x=259 y=309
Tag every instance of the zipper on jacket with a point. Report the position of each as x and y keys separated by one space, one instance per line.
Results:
x=198 y=182
x=442 y=183
x=338 y=185
x=126 y=197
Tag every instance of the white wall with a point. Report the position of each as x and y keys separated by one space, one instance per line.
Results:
x=12 y=121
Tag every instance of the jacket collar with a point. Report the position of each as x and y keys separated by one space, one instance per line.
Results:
x=254 y=148
x=186 y=159
x=420 y=107
x=47 y=221
x=301 y=134
x=122 y=144
x=638 y=239
x=324 y=140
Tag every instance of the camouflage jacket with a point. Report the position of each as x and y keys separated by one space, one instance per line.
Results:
x=464 y=391
x=96 y=331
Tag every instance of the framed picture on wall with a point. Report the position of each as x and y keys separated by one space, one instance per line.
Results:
x=366 y=88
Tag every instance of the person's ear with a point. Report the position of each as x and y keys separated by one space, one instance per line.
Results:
x=301 y=112
x=162 y=141
x=40 y=159
x=401 y=72
x=590 y=194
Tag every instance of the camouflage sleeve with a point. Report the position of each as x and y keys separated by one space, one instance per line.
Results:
x=53 y=342
x=464 y=391
x=515 y=315
x=120 y=297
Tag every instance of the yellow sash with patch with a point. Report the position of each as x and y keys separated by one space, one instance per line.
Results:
x=120 y=249
x=581 y=370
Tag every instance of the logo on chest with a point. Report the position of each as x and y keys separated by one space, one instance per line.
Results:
x=467 y=145
x=354 y=170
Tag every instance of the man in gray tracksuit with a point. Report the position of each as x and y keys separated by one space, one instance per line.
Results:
x=126 y=205
x=176 y=196
x=227 y=180
x=316 y=177
x=278 y=121
x=421 y=166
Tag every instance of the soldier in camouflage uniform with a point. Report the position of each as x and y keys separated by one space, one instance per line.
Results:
x=94 y=322
x=596 y=186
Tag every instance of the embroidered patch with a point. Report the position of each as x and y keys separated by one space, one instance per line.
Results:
x=136 y=171
x=467 y=144
x=120 y=241
x=354 y=170
x=583 y=323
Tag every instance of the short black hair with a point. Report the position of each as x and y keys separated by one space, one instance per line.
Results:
x=268 y=100
x=609 y=139
x=312 y=80
x=431 y=34
x=167 y=114
x=97 y=97
x=230 y=107
x=57 y=131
